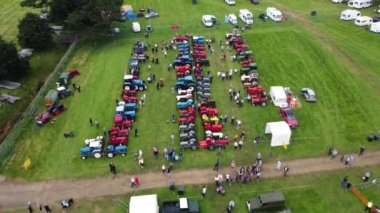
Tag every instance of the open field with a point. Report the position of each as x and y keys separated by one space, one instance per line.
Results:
x=299 y=52
x=306 y=193
x=42 y=64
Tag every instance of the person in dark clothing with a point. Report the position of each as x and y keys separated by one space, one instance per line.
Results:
x=30 y=208
x=47 y=208
x=78 y=88
x=156 y=61
x=361 y=150
x=136 y=132
x=158 y=85
x=91 y=122
x=154 y=77
x=111 y=167
x=217 y=164
x=74 y=87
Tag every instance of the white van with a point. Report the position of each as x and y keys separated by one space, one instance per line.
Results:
x=136 y=27
x=360 y=3
x=246 y=16
x=363 y=21
x=375 y=27
x=230 y=2
x=274 y=14
x=349 y=14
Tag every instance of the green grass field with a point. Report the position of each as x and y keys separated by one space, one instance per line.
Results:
x=289 y=54
x=42 y=64
x=307 y=193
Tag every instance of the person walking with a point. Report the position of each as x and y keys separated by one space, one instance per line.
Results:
x=155 y=152
x=74 y=87
x=136 y=132
x=278 y=166
x=30 y=208
x=236 y=144
x=111 y=167
x=163 y=168
x=334 y=154
x=217 y=164
x=47 y=208
x=361 y=150
x=91 y=122
x=240 y=143
x=78 y=88
x=204 y=190
x=286 y=170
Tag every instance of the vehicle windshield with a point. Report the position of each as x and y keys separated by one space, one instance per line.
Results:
x=289 y=114
x=249 y=18
x=279 y=16
x=208 y=21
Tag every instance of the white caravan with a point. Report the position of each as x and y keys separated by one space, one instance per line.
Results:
x=375 y=27
x=232 y=19
x=349 y=14
x=246 y=16
x=274 y=14
x=363 y=21
x=358 y=4
x=230 y=2
x=339 y=1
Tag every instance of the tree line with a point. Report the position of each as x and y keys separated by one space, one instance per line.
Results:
x=35 y=32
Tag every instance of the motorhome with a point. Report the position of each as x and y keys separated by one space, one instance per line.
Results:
x=363 y=21
x=246 y=16
x=274 y=14
x=358 y=4
x=375 y=27
x=349 y=14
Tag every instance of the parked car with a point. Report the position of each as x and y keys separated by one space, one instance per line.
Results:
x=230 y=2
x=208 y=20
x=255 y=1
x=263 y=16
x=289 y=117
x=151 y=13
x=232 y=19
x=308 y=94
x=272 y=201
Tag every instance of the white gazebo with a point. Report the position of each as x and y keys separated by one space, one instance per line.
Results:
x=280 y=133
x=144 y=204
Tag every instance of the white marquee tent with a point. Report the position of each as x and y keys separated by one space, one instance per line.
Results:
x=280 y=133
x=144 y=203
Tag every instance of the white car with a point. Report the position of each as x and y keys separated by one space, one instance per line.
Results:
x=230 y=2
x=246 y=16
x=208 y=20
x=232 y=19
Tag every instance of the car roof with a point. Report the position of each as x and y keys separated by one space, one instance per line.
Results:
x=208 y=16
x=310 y=91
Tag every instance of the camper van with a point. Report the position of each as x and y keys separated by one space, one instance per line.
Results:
x=246 y=16
x=274 y=14
x=230 y=2
x=363 y=21
x=349 y=14
x=358 y=4
x=375 y=27
x=136 y=27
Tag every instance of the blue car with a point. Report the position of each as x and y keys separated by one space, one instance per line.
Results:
x=185 y=104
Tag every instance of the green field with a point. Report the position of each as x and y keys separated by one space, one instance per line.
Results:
x=42 y=64
x=291 y=53
x=307 y=193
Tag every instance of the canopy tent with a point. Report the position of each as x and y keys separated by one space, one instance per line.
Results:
x=130 y=15
x=144 y=203
x=278 y=95
x=280 y=133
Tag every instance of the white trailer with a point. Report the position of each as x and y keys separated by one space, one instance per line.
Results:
x=246 y=16
x=358 y=4
x=349 y=14
x=274 y=14
x=375 y=27
x=363 y=21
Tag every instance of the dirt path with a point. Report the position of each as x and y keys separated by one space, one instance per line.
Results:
x=15 y=194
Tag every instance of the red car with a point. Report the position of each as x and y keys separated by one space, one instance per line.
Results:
x=42 y=118
x=289 y=117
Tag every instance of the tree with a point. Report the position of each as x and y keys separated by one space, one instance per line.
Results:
x=11 y=67
x=34 y=3
x=34 y=32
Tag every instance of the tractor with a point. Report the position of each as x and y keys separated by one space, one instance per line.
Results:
x=258 y=96
x=93 y=148
x=129 y=96
x=113 y=150
x=133 y=84
x=210 y=143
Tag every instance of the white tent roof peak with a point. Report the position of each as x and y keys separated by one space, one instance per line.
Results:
x=280 y=133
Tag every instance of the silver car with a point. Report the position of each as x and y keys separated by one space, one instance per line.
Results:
x=308 y=94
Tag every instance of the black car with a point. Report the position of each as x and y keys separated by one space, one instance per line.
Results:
x=375 y=19
x=263 y=16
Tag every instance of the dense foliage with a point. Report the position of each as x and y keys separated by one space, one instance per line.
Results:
x=11 y=67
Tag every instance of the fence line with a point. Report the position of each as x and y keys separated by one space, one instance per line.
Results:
x=10 y=141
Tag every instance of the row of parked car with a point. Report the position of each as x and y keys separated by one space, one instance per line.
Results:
x=125 y=111
x=185 y=87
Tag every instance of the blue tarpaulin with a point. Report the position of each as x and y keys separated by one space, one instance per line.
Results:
x=130 y=15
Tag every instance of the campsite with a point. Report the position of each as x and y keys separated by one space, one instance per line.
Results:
x=280 y=55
